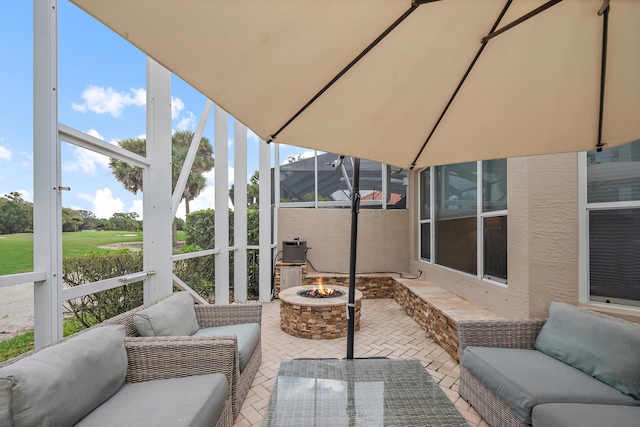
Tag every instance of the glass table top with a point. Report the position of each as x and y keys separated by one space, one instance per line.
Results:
x=358 y=392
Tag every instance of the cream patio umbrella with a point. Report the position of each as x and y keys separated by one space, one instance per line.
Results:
x=408 y=83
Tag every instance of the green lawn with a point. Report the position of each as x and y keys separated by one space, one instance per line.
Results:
x=17 y=249
x=24 y=342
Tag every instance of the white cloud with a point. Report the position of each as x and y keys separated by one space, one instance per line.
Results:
x=26 y=195
x=5 y=153
x=206 y=200
x=176 y=106
x=101 y=101
x=304 y=155
x=105 y=205
x=94 y=133
x=86 y=161
x=231 y=175
x=136 y=207
x=188 y=122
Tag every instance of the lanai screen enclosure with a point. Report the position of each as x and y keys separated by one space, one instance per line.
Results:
x=408 y=83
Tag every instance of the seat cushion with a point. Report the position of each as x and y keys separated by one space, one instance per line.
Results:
x=248 y=338
x=173 y=316
x=583 y=415
x=62 y=383
x=604 y=348
x=195 y=401
x=526 y=378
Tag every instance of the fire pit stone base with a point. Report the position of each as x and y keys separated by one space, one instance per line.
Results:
x=316 y=318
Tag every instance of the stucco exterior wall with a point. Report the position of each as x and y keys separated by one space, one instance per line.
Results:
x=542 y=241
x=383 y=237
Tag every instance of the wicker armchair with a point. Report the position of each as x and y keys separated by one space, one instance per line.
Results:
x=493 y=333
x=210 y=316
x=157 y=358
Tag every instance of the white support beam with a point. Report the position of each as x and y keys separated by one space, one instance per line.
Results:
x=20 y=278
x=196 y=297
x=92 y=143
x=276 y=187
x=221 y=169
x=47 y=221
x=191 y=156
x=157 y=213
x=240 y=211
x=265 y=232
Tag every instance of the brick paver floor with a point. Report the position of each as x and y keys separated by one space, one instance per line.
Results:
x=385 y=330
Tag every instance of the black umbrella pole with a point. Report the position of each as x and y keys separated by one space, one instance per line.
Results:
x=355 y=207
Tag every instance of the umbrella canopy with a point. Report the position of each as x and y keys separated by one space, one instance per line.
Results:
x=405 y=83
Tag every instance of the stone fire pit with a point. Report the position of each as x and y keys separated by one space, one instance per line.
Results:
x=317 y=318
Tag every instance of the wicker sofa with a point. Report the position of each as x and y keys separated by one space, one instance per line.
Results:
x=224 y=322
x=574 y=368
x=99 y=377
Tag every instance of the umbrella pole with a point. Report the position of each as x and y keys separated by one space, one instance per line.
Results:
x=355 y=207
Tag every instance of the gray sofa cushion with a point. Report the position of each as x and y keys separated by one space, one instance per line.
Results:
x=603 y=348
x=583 y=415
x=526 y=378
x=173 y=316
x=61 y=384
x=195 y=401
x=248 y=337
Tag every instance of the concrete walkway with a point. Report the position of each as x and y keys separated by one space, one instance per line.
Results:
x=16 y=310
x=385 y=331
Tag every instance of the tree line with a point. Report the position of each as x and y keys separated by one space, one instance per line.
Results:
x=16 y=216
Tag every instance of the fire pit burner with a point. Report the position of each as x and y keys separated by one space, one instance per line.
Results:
x=315 y=293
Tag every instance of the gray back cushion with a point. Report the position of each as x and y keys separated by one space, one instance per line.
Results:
x=603 y=348
x=173 y=316
x=61 y=384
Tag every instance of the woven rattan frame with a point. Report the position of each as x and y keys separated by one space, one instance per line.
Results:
x=210 y=316
x=156 y=358
x=500 y=334
x=493 y=409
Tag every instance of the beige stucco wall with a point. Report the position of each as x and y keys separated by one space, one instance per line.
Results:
x=542 y=241
x=382 y=237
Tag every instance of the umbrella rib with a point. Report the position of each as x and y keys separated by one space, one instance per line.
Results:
x=414 y=5
x=603 y=70
x=464 y=78
x=520 y=20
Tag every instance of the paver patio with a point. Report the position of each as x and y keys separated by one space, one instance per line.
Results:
x=385 y=330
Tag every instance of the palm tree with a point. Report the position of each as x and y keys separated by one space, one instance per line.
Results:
x=131 y=176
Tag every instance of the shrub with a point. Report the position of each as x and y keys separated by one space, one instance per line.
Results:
x=92 y=309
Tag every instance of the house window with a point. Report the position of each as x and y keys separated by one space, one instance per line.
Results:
x=452 y=212
x=425 y=215
x=613 y=225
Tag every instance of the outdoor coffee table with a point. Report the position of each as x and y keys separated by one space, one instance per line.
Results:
x=358 y=392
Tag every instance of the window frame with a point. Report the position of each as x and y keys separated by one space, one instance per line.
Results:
x=481 y=215
x=584 y=285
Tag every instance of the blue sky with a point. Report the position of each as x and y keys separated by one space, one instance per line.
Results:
x=101 y=91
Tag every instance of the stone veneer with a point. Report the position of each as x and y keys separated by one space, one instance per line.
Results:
x=316 y=318
x=438 y=311
x=435 y=309
x=371 y=286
